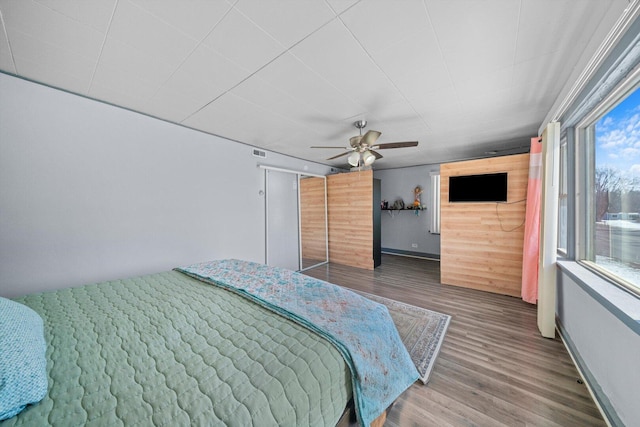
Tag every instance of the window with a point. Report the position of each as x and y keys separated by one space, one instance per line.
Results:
x=613 y=235
x=562 y=199
x=434 y=218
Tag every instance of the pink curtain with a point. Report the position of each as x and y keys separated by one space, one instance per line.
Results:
x=532 y=225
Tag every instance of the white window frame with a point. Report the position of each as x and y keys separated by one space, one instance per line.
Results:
x=563 y=195
x=585 y=182
x=434 y=214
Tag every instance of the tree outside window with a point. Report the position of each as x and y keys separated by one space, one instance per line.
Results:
x=617 y=190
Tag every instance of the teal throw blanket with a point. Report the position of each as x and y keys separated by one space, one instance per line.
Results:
x=362 y=330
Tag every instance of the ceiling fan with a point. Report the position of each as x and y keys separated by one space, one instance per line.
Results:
x=362 y=147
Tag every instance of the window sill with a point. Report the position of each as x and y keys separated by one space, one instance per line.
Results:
x=619 y=302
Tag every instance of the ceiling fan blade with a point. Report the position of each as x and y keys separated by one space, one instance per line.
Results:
x=325 y=146
x=339 y=155
x=354 y=141
x=375 y=153
x=370 y=137
x=396 y=145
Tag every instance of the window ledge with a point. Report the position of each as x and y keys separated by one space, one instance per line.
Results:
x=619 y=302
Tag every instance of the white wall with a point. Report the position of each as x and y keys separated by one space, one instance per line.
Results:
x=608 y=347
x=405 y=228
x=91 y=192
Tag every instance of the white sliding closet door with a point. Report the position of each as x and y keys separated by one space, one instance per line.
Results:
x=282 y=220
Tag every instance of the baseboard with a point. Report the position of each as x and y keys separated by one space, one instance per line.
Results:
x=598 y=396
x=433 y=257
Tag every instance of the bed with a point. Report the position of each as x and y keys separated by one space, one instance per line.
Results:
x=173 y=348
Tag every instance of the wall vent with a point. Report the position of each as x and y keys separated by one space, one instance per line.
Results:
x=259 y=153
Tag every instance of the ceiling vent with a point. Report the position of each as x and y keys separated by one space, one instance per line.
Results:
x=259 y=153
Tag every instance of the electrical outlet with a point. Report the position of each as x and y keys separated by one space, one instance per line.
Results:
x=414 y=245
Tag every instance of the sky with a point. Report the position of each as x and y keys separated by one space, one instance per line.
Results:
x=618 y=137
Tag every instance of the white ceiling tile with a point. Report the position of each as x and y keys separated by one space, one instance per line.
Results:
x=415 y=65
x=434 y=102
x=52 y=28
x=210 y=68
x=340 y=6
x=514 y=126
x=266 y=127
x=538 y=14
x=294 y=110
x=194 y=17
x=504 y=108
x=259 y=92
x=534 y=44
x=291 y=76
x=480 y=60
x=248 y=122
x=288 y=21
x=93 y=13
x=484 y=86
x=219 y=116
x=297 y=144
x=333 y=53
x=244 y=43
x=129 y=74
x=172 y=103
x=482 y=108
x=466 y=25
x=6 y=57
x=377 y=25
x=420 y=82
x=138 y=28
x=192 y=92
x=329 y=135
x=122 y=82
x=34 y=57
x=416 y=53
x=55 y=77
x=110 y=87
x=175 y=111
x=543 y=72
x=446 y=123
x=400 y=113
x=562 y=29
x=139 y=64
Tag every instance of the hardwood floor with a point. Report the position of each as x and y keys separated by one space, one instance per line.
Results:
x=494 y=368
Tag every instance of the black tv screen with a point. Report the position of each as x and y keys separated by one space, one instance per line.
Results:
x=478 y=188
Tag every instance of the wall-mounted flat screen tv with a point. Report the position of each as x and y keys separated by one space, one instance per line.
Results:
x=490 y=187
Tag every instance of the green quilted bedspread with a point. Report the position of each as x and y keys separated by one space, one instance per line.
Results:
x=168 y=350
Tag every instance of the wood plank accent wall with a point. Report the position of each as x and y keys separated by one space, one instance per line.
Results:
x=481 y=243
x=350 y=206
x=312 y=221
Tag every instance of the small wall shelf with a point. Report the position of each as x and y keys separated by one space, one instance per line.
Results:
x=391 y=211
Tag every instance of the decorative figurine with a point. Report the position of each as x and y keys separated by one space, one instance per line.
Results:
x=416 y=200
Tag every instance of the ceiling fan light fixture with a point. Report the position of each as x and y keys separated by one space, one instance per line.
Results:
x=368 y=158
x=362 y=150
x=354 y=159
